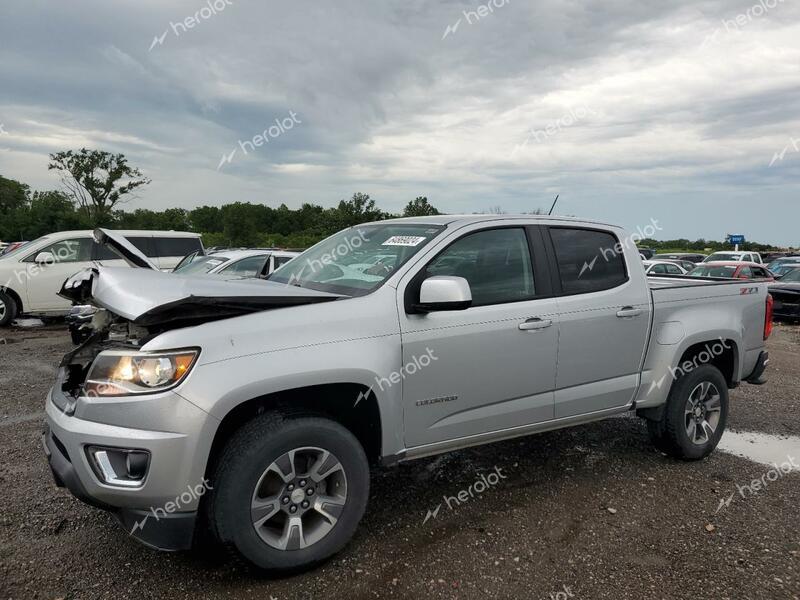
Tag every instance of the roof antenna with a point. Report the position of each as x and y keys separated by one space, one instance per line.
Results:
x=554 y=205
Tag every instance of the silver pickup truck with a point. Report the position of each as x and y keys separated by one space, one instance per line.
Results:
x=252 y=409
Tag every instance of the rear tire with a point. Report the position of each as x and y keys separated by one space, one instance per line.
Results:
x=695 y=416
x=288 y=491
x=8 y=309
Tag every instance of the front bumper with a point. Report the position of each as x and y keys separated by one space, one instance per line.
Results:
x=167 y=532
x=163 y=511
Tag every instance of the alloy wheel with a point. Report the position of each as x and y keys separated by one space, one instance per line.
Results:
x=299 y=498
x=702 y=413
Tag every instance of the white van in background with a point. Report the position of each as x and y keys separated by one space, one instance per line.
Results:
x=32 y=276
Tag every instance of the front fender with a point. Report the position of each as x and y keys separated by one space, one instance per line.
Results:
x=220 y=387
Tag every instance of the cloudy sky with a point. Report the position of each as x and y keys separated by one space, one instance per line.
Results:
x=686 y=113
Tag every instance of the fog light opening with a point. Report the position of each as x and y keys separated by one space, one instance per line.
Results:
x=119 y=467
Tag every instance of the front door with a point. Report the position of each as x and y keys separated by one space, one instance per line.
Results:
x=489 y=367
x=45 y=280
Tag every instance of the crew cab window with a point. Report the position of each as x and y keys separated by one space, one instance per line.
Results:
x=247 y=267
x=496 y=263
x=145 y=246
x=588 y=261
x=673 y=270
x=759 y=272
x=745 y=273
x=67 y=251
x=166 y=246
x=658 y=269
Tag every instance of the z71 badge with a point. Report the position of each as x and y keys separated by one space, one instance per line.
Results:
x=749 y=290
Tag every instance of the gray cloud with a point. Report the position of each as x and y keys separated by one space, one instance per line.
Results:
x=684 y=117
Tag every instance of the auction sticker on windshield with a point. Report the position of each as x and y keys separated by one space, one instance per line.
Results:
x=404 y=240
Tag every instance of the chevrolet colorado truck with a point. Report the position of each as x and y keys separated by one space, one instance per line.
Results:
x=252 y=410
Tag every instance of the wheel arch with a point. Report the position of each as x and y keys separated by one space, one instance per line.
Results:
x=16 y=297
x=352 y=405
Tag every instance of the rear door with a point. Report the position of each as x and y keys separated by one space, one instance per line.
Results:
x=604 y=317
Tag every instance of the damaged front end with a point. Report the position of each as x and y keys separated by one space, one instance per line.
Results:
x=122 y=309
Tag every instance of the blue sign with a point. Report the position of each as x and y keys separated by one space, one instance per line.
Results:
x=736 y=239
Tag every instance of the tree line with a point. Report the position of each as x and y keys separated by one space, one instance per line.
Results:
x=96 y=183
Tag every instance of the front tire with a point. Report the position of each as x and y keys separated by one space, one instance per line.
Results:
x=289 y=492
x=8 y=309
x=695 y=416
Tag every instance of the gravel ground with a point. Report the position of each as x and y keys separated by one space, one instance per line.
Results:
x=590 y=512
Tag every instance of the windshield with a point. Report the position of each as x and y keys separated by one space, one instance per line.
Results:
x=25 y=246
x=793 y=276
x=713 y=272
x=201 y=264
x=358 y=260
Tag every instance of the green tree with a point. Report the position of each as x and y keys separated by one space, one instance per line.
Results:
x=419 y=207
x=207 y=219
x=14 y=197
x=96 y=180
x=359 y=209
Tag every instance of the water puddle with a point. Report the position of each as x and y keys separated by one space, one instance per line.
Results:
x=762 y=448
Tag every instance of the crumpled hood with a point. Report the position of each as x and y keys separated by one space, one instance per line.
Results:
x=150 y=297
x=123 y=248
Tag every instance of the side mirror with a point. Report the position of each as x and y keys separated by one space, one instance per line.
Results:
x=44 y=258
x=444 y=293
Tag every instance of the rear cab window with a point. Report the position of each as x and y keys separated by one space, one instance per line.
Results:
x=588 y=260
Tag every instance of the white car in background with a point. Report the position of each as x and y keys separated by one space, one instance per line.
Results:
x=240 y=263
x=753 y=257
x=662 y=267
x=32 y=275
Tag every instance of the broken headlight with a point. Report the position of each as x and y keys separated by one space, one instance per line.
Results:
x=123 y=373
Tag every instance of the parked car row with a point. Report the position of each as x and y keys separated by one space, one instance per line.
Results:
x=736 y=265
x=241 y=263
x=32 y=275
x=8 y=248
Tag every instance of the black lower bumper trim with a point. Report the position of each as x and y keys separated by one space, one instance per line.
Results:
x=153 y=527
x=64 y=473
x=168 y=532
x=757 y=376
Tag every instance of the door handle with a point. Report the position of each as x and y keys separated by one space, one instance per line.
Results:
x=534 y=324
x=629 y=312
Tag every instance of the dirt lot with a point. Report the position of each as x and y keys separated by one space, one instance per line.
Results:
x=591 y=512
